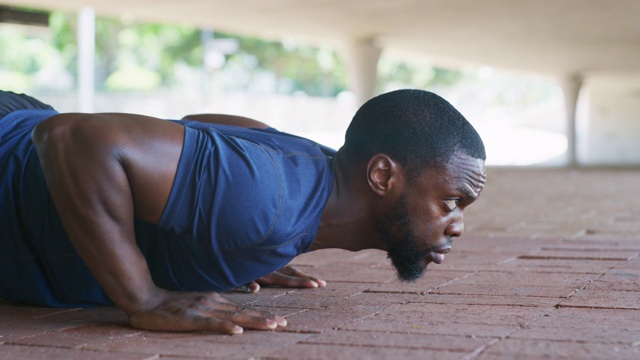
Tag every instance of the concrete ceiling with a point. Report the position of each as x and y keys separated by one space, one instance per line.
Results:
x=546 y=36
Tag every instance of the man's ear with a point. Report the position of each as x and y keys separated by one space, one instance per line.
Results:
x=384 y=174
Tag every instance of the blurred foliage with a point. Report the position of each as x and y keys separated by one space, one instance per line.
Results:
x=136 y=56
x=314 y=71
x=394 y=73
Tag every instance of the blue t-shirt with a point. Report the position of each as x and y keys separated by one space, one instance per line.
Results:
x=243 y=204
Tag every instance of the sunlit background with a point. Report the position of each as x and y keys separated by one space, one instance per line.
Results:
x=170 y=71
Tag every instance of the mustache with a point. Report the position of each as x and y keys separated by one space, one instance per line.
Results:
x=436 y=248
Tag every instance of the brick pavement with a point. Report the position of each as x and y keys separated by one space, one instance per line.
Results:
x=549 y=268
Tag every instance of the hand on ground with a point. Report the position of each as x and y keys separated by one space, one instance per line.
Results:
x=176 y=311
x=288 y=276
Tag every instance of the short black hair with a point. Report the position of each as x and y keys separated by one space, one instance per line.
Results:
x=417 y=128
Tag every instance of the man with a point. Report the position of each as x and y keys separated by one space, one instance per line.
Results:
x=158 y=216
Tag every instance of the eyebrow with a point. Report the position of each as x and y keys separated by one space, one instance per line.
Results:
x=466 y=192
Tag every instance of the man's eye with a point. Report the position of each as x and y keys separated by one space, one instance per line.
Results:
x=451 y=204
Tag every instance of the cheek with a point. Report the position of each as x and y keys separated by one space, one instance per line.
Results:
x=429 y=221
x=428 y=230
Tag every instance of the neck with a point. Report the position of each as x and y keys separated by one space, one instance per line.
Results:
x=347 y=222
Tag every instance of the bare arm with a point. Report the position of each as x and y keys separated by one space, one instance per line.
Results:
x=104 y=169
x=227 y=120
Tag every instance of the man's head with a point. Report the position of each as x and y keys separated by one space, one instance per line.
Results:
x=425 y=164
x=414 y=127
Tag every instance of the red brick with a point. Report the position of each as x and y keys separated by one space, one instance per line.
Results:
x=471 y=331
x=386 y=299
x=318 y=320
x=549 y=349
x=581 y=254
x=605 y=235
x=246 y=299
x=28 y=312
x=618 y=279
x=510 y=245
x=633 y=264
x=594 y=245
x=329 y=256
x=431 y=280
x=312 y=351
x=250 y=343
x=531 y=265
x=37 y=352
x=585 y=325
x=80 y=337
x=19 y=321
x=446 y=319
x=316 y=298
x=517 y=284
x=503 y=306
x=343 y=271
x=397 y=340
x=604 y=299
x=466 y=261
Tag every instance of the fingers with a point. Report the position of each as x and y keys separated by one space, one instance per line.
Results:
x=181 y=320
x=205 y=323
x=291 y=277
x=286 y=277
x=228 y=310
x=291 y=271
x=252 y=287
x=203 y=312
x=279 y=279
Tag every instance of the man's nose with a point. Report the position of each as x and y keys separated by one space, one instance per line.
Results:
x=455 y=228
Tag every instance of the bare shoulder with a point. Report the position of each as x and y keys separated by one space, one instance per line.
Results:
x=106 y=127
x=224 y=119
x=146 y=148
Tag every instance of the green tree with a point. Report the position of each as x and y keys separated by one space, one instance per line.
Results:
x=145 y=56
x=312 y=70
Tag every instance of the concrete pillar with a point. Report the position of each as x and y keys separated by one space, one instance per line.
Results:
x=86 y=38
x=361 y=59
x=571 y=85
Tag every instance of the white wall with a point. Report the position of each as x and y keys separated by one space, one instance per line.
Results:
x=610 y=129
x=323 y=120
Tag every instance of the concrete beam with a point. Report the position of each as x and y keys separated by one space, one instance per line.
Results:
x=361 y=59
x=571 y=85
x=86 y=38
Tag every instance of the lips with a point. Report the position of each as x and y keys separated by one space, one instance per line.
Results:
x=437 y=256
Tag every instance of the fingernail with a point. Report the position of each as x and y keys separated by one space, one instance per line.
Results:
x=322 y=283
x=237 y=330
x=272 y=324
x=314 y=284
x=281 y=321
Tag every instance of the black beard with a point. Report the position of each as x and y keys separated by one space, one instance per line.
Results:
x=395 y=232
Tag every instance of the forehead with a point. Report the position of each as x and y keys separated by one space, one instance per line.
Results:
x=464 y=170
x=462 y=173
